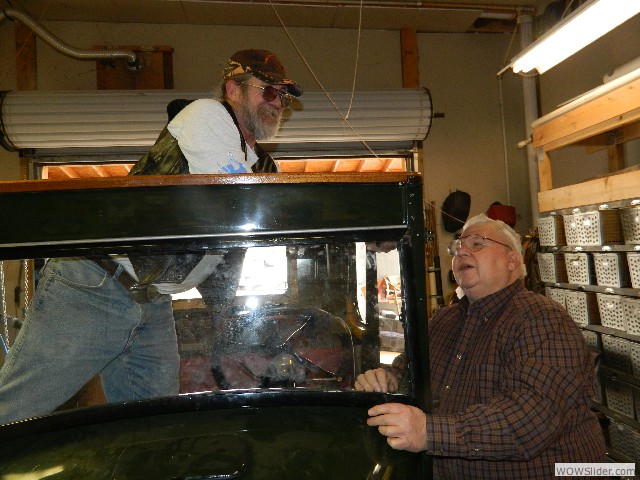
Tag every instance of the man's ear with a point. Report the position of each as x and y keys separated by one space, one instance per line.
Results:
x=233 y=90
x=514 y=262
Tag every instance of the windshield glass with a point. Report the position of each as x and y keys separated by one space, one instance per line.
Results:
x=290 y=317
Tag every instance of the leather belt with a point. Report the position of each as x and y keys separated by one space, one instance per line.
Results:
x=139 y=293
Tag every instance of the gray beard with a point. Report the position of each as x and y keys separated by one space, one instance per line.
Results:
x=254 y=121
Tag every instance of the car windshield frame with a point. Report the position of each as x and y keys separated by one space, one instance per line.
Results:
x=160 y=214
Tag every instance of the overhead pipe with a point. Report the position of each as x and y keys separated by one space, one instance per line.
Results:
x=132 y=60
x=417 y=4
x=531 y=113
x=489 y=10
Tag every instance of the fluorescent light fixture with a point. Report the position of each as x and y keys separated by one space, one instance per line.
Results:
x=586 y=24
x=498 y=15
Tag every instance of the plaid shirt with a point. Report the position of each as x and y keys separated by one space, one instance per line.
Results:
x=512 y=382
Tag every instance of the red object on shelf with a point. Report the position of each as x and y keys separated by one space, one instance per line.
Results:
x=506 y=213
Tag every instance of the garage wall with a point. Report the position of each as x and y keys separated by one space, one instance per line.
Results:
x=466 y=150
x=460 y=70
x=470 y=149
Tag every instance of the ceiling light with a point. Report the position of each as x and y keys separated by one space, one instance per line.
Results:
x=498 y=15
x=586 y=24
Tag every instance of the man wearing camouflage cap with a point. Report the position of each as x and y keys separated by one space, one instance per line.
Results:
x=118 y=316
x=211 y=136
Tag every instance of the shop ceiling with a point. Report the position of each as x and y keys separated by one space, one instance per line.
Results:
x=447 y=16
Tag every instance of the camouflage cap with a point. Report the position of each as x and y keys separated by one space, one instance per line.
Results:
x=261 y=64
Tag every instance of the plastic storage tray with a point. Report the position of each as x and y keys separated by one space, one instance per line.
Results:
x=552 y=268
x=631 y=311
x=633 y=261
x=634 y=356
x=617 y=353
x=611 y=311
x=611 y=270
x=592 y=339
x=557 y=294
x=551 y=231
x=392 y=341
x=583 y=307
x=579 y=268
x=619 y=397
x=597 y=227
x=624 y=439
x=630 y=219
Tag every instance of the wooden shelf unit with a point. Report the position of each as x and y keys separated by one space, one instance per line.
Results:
x=603 y=118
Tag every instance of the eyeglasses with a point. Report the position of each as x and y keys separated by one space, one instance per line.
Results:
x=269 y=94
x=475 y=243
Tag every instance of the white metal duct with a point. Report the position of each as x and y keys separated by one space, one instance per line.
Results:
x=107 y=119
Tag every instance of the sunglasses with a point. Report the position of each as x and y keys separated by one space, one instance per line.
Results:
x=269 y=94
x=475 y=243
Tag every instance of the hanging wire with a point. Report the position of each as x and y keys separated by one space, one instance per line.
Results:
x=315 y=77
x=5 y=343
x=566 y=10
x=505 y=60
x=25 y=279
x=355 y=69
x=504 y=141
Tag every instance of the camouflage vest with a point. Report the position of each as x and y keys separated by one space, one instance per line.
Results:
x=166 y=158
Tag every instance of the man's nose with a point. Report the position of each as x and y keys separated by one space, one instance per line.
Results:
x=276 y=102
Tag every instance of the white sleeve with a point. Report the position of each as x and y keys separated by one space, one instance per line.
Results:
x=209 y=139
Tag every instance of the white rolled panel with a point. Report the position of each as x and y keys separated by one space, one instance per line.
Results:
x=109 y=118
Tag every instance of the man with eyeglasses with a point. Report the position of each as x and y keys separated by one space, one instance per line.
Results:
x=222 y=135
x=511 y=376
x=112 y=315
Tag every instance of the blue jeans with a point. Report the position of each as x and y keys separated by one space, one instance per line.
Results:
x=82 y=322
